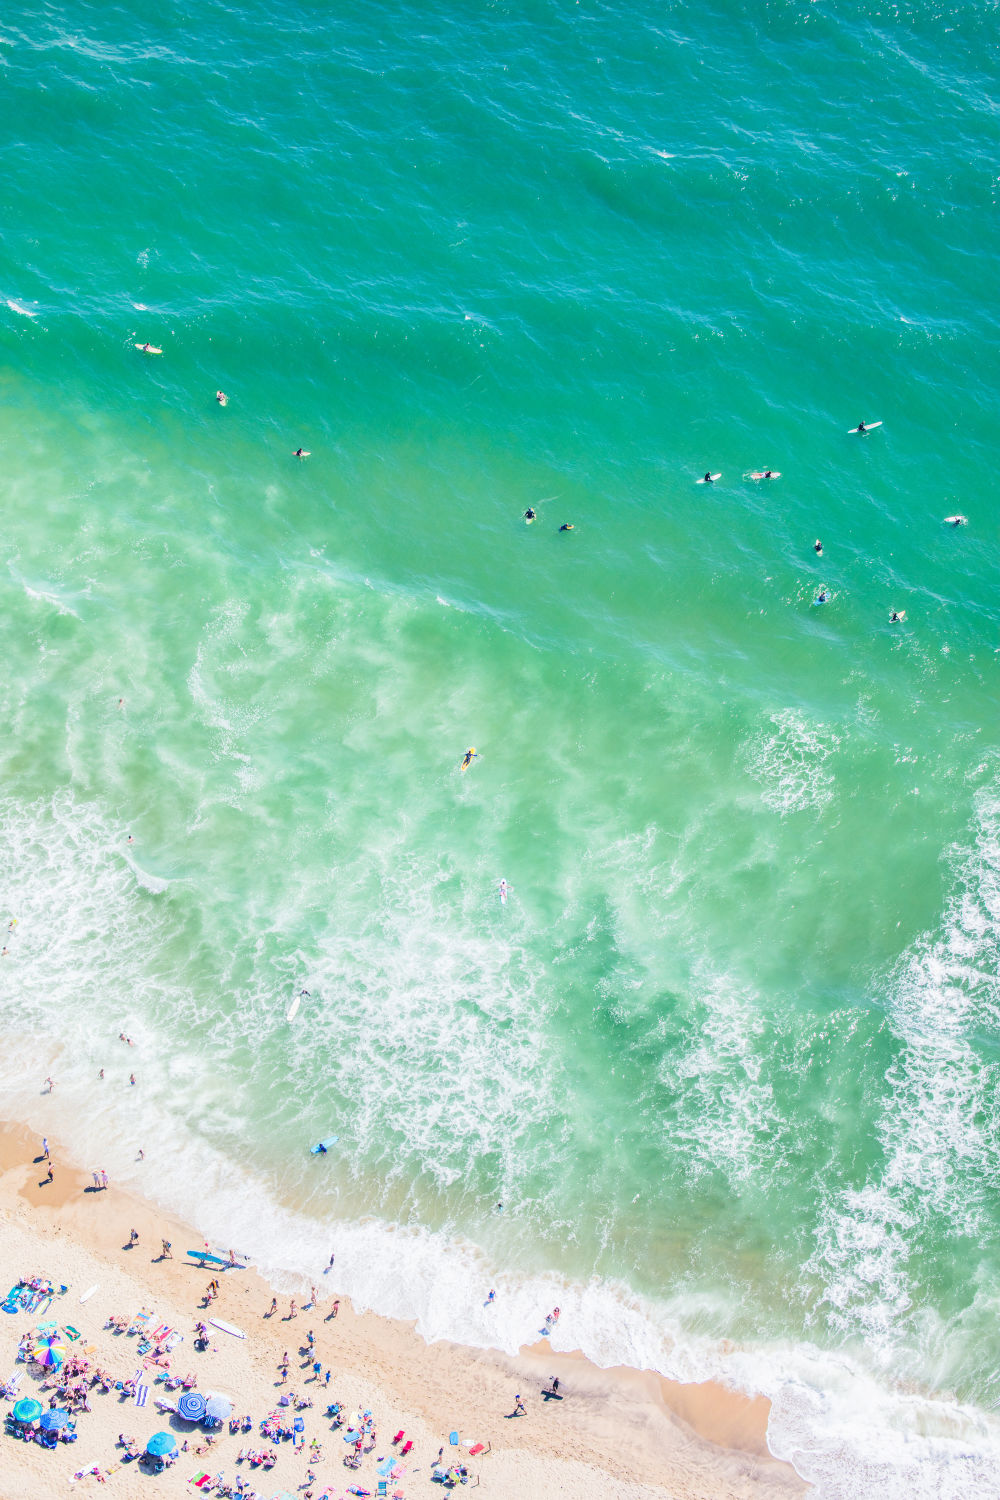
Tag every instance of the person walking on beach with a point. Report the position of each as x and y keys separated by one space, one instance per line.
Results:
x=45 y=1147
x=491 y=1298
x=330 y=1266
x=131 y=1079
x=104 y=1178
x=133 y=1237
x=49 y=1177
x=272 y=1309
x=50 y=1084
x=292 y=1311
x=333 y=1311
x=519 y=1410
x=166 y=1253
x=313 y=1296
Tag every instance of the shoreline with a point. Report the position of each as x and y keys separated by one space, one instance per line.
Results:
x=621 y=1431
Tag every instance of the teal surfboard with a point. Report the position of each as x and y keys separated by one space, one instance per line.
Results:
x=323 y=1146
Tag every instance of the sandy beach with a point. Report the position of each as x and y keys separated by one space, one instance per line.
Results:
x=617 y=1433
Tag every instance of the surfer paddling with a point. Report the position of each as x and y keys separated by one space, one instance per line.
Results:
x=148 y=349
x=222 y=398
x=301 y=453
x=470 y=755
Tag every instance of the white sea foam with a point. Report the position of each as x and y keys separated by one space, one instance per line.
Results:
x=790 y=760
x=17 y=307
x=89 y=956
x=718 y=1072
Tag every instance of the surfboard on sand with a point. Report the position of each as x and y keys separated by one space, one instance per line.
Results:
x=237 y=1333
x=868 y=427
x=90 y=1292
x=321 y=1147
x=709 y=481
x=215 y=1260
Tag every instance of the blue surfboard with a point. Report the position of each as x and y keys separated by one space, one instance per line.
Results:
x=321 y=1147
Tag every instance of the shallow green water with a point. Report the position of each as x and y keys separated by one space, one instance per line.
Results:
x=728 y=1056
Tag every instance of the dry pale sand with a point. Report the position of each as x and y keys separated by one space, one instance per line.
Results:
x=617 y=1433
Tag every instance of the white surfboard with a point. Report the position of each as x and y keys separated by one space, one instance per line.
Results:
x=293 y=1009
x=90 y=1292
x=759 y=474
x=709 y=481
x=237 y=1333
x=956 y=520
x=868 y=427
x=503 y=893
x=148 y=350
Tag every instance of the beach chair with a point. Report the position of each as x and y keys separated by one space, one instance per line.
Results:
x=383 y=1489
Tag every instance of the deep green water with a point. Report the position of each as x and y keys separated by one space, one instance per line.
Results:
x=729 y=1055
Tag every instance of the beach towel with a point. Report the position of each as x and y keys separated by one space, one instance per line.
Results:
x=71 y=1333
x=198 y=1479
x=174 y=1340
x=476 y=1448
x=141 y=1395
x=14 y=1381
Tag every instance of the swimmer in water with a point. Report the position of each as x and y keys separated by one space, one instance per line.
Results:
x=503 y=890
x=301 y=453
x=469 y=757
x=567 y=526
x=222 y=398
x=818 y=547
x=529 y=516
x=822 y=597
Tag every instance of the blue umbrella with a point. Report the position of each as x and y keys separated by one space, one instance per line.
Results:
x=27 y=1410
x=53 y=1420
x=160 y=1444
x=218 y=1408
x=191 y=1406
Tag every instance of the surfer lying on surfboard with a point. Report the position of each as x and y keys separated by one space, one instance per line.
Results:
x=470 y=755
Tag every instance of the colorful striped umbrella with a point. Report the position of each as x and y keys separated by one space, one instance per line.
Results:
x=50 y=1353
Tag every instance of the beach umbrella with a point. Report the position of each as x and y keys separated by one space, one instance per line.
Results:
x=218 y=1408
x=27 y=1409
x=53 y=1420
x=50 y=1353
x=160 y=1444
x=191 y=1406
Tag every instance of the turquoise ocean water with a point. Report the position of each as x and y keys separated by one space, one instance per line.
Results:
x=729 y=1054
